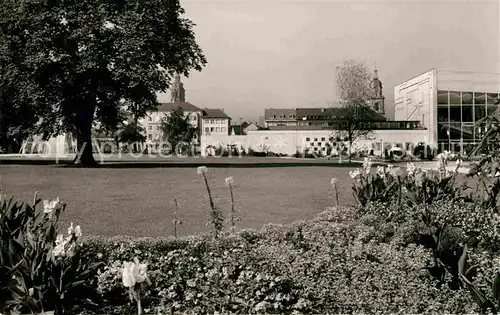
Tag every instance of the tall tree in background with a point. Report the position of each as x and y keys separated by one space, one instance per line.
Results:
x=352 y=114
x=177 y=128
x=64 y=64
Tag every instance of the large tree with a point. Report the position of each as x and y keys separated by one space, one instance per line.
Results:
x=66 y=63
x=352 y=115
x=177 y=129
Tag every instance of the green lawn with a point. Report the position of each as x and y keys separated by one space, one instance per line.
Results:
x=139 y=201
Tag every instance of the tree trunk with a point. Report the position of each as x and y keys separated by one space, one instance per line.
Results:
x=84 y=117
x=349 y=151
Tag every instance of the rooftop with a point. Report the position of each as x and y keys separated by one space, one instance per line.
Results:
x=214 y=113
x=325 y=113
x=377 y=125
x=186 y=106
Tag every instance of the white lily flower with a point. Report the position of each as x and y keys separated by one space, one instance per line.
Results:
x=355 y=173
x=201 y=170
x=410 y=168
x=133 y=273
x=229 y=180
x=50 y=206
x=335 y=181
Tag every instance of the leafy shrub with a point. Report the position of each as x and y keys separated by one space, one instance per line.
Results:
x=333 y=263
x=40 y=269
x=413 y=186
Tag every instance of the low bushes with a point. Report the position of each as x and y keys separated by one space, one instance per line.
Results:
x=333 y=264
x=429 y=208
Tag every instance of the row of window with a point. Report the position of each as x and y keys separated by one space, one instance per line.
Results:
x=218 y=121
x=216 y=129
x=457 y=131
x=282 y=116
x=468 y=98
x=464 y=113
x=157 y=128
x=322 y=139
x=192 y=118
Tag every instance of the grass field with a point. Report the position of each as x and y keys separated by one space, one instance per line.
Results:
x=139 y=201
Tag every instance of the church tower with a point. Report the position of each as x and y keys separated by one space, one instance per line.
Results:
x=378 y=100
x=178 y=93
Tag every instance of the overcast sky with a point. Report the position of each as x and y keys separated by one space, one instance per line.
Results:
x=283 y=54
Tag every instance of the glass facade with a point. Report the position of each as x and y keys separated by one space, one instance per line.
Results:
x=457 y=114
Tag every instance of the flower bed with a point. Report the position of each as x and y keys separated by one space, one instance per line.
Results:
x=334 y=263
x=331 y=264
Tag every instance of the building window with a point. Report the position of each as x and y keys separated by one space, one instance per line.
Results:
x=150 y=137
x=479 y=98
x=323 y=149
x=217 y=129
x=492 y=98
x=455 y=98
x=207 y=129
x=211 y=129
x=443 y=98
x=315 y=139
x=223 y=129
x=308 y=139
x=212 y=121
x=150 y=128
x=455 y=113
x=443 y=113
x=150 y=119
x=467 y=98
x=467 y=113
x=479 y=112
x=217 y=121
x=323 y=139
x=158 y=127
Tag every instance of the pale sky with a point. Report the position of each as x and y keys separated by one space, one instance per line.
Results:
x=283 y=54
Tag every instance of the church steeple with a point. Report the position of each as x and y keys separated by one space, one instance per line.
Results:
x=178 y=93
x=378 y=98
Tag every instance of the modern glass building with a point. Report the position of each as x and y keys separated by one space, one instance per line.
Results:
x=449 y=104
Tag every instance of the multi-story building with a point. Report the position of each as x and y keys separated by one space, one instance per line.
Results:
x=215 y=122
x=325 y=117
x=448 y=104
x=206 y=121
x=322 y=117
x=280 y=117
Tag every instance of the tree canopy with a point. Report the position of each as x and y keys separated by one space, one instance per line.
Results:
x=177 y=129
x=64 y=64
x=353 y=113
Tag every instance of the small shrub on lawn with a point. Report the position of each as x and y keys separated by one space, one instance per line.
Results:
x=333 y=263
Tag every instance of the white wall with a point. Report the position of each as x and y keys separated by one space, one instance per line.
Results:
x=290 y=141
x=222 y=140
x=416 y=99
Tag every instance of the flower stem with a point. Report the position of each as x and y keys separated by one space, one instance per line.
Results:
x=139 y=307
x=337 y=195
x=212 y=206
x=232 y=208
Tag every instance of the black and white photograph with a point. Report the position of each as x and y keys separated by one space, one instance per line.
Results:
x=249 y=157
